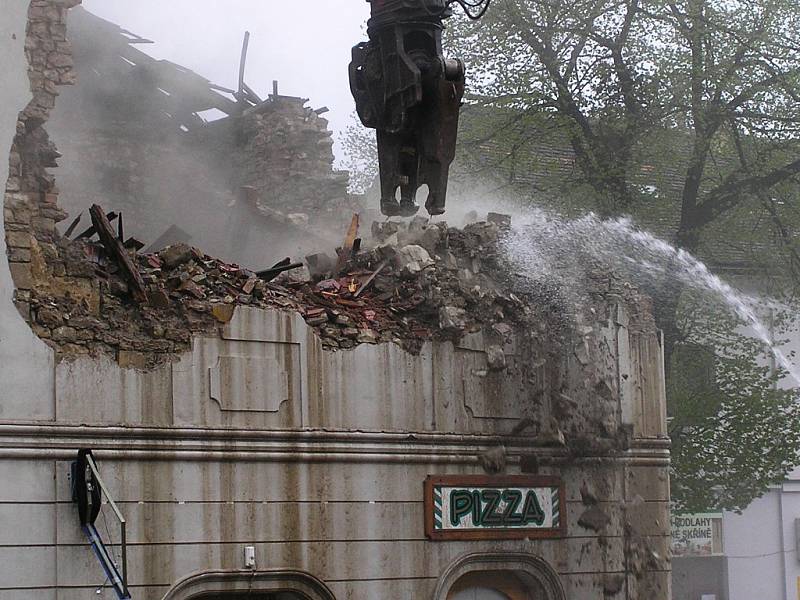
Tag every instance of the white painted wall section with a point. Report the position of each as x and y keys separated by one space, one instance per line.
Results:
x=26 y=364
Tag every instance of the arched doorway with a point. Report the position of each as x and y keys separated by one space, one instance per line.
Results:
x=497 y=585
x=254 y=596
x=278 y=584
x=480 y=594
x=499 y=577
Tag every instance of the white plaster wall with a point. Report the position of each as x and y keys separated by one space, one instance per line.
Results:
x=26 y=364
x=790 y=510
x=762 y=548
x=752 y=543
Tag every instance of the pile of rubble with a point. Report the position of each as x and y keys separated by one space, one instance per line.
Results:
x=414 y=283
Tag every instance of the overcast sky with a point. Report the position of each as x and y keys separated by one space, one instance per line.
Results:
x=304 y=44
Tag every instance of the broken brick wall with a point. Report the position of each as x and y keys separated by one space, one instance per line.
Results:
x=56 y=287
x=286 y=153
x=127 y=159
x=30 y=206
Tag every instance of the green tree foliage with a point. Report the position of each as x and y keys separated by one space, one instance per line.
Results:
x=734 y=431
x=360 y=156
x=615 y=75
x=685 y=112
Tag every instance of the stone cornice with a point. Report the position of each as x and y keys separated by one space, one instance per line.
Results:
x=58 y=441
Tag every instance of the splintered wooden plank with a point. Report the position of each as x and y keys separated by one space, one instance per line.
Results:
x=72 y=226
x=112 y=216
x=349 y=242
x=243 y=64
x=285 y=265
x=371 y=278
x=115 y=249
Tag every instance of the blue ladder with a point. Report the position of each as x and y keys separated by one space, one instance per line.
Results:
x=106 y=561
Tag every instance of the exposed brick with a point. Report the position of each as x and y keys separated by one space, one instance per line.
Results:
x=49 y=317
x=44 y=100
x=64 y=334
x=49 y=251
x=19 y=254
x=37 y=12
x=54 y=213
x=18 y=239
x=21 y=274
x=58 y=59
x=43 y=224
x=59 y=269
x=42 y=332
x=67 y=77
x=20 y=200
x=128 y=359
x=37 y=29
x=22 y=295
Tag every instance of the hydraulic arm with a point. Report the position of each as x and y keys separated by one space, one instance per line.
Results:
x=411 y=94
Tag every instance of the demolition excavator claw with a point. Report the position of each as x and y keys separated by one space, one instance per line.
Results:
x=411 y=94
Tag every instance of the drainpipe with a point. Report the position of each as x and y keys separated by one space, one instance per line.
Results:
x=773 y=365
x=783 y=544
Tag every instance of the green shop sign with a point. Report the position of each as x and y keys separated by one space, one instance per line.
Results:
x=478 y=507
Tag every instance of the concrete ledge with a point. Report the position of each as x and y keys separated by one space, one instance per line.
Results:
x=60 y=442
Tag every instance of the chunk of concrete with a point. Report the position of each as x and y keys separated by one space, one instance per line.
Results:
x=412 y=259
x=418 y=223
x=452 y=319
x=430 y=239
x=499 y=219
x=493 y=460
x=320 y=264
x=495 y=358
x=176 y=255
x=382 y=230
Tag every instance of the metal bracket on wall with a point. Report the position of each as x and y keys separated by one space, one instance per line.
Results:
x=88 y=490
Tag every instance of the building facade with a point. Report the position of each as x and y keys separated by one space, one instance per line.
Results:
x=256 y=460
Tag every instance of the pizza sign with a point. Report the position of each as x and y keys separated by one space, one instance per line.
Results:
x=481 y=507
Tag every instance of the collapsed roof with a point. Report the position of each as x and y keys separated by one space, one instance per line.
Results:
x=169 y=148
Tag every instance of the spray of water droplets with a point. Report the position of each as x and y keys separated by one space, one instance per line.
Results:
x=543 y=245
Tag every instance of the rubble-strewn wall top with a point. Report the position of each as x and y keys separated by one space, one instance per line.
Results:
x=440 y=284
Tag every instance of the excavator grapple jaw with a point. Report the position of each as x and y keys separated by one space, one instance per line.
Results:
x=406 y=90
